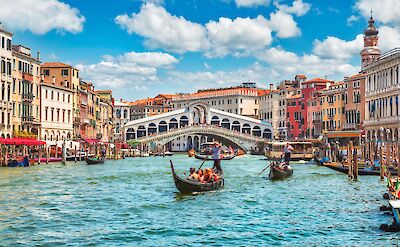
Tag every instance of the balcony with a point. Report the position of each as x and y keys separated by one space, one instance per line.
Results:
x=29 y=120
x=27 y=77
x=382 y=121
x=27 y=97
x=85 y=121
x=99 y=136
x=350 y=126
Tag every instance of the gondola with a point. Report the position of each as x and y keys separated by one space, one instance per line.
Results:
x=276 y=173
x=188 y=187
x=209 y=157
x=94 y=161
x=361 y=171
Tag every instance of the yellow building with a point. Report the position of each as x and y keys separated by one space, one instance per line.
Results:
x=106 y=127
x=26 y=120
x=333 y=107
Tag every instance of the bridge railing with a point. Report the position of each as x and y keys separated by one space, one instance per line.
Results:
x=202 y=129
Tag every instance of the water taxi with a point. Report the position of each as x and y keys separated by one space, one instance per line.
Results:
x=302 y=150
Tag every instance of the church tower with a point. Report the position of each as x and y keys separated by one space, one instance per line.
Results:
x=371 y=52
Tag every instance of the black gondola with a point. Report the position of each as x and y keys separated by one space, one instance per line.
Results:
x=276 y=172
x=361 y=171
x=203 y=157
x=188 y=187
x=94 y=161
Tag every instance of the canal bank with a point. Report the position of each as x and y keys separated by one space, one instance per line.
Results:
x=134 y=202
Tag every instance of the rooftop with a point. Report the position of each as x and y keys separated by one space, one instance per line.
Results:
x=56 y=65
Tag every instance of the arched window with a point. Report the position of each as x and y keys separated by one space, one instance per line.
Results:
x=236 y=126
x=152 y=128
x=267 y=134
x=173 y=123
x=256 y=131
x=162 y=126
x=141 y=131
x=246 y=128
x=225 y=123
x=183 y=121
x=130 y=134
x=215 y=120
x=118 y=113
x=125 y=113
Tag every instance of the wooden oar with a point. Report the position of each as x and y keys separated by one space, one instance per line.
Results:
x=265 y=169
x=203 y=162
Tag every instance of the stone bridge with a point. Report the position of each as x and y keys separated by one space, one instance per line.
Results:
x=187 y=127
x=244 y=141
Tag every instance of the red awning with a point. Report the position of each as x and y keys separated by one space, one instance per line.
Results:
x=22 y=141
x=91 y=141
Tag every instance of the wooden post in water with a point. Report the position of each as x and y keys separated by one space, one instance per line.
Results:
x=350 y=159
x=75 y=155
x=355 y=170
x=63 y=153
x=381 y=161
x=39 y=154
x=47 y=155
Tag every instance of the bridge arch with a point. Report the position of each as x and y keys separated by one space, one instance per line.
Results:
x=162 y=126
x=225 y=123
x=173 y=123
x=152 y=129
x=215 y=121
x=183 y=121
x=130 y=134
x=246 y=128
x=256 y=131
x=141 y=131
x=236 y=126
x=267 y=134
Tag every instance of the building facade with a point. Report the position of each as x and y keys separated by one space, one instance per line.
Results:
x=269 y=109
x=354 y=102
x=121 y=116
x=333 y=110
x=106 y=115
x=26 y=120
x=6 y=81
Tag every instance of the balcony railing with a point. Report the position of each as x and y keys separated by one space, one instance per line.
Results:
x=350 y=126
x=27 y=97
x=27 y=77
x=29 y=120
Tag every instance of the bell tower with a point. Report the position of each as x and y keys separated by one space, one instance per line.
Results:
x=371 y=52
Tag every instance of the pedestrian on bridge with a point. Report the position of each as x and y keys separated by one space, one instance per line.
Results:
x=216 y=154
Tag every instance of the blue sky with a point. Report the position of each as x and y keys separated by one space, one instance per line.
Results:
x=142 y=48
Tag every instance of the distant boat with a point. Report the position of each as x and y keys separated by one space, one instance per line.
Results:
x=19 y=162
x=209 y=157
x=187 y=187
x=302 y=150
x=94 y=161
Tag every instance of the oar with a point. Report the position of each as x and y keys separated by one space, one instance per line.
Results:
x=265 y=169
x=203 y=162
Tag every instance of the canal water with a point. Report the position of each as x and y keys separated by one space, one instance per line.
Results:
x=134 y=202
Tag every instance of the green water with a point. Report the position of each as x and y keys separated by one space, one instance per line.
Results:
x=134 y=202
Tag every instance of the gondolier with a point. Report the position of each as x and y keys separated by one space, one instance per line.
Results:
x=287 y=152
x=216 y=154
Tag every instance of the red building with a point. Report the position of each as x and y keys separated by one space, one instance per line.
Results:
x=297 y=116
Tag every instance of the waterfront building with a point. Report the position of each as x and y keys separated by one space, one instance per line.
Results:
x=333 y=110
x=285 y=92
x=307 y=88
x=121 y=116
x=151 y=106
x=89 y=112
x=67 y=77
x=56 y=110
x=269 y=109
x=382 y=92
x=314 y=114
x=106 y=115
x=26 y=119
x=354 y=102
x=6 y=81
x=295 y=118
x=242 y=100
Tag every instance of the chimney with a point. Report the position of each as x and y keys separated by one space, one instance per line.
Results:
x=53 y=80
x=120 y=99
x=271 y=86
x=38 y=55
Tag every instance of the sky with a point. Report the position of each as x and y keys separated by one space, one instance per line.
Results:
x=140 y=48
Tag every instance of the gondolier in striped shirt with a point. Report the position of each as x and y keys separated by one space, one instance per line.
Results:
x=287 y=152
x=216 y=154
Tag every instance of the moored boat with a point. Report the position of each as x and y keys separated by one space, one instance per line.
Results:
x=361 y=171
x=19 y=162
x=280 y=172
x=94 y=161
x=186 y=186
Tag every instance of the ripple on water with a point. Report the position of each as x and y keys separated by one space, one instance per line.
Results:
x=134 y=202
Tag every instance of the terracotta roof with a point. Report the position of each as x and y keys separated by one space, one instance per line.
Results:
x=317 y=80
x=262 y=92
x=302 y=76
x=103 y=91
x=296 y=96
x=55 y=65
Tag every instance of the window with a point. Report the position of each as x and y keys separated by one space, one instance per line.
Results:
x=52 y=114
x=46 y=72
x=68 y=98
x=52 y=95
x=64 y=72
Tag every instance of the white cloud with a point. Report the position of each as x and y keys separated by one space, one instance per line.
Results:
x=40 y=16
x=284 y=25
x=298 y=7
x=352 y=19
x=335 y=48
x=161 y=29
x=238 y=36
x=130 y=69
x=252 y=3
x=385 y=11
x=389 y=38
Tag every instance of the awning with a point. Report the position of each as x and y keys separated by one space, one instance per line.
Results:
x=342 y=134
x=91 y=141
x=22 y=141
